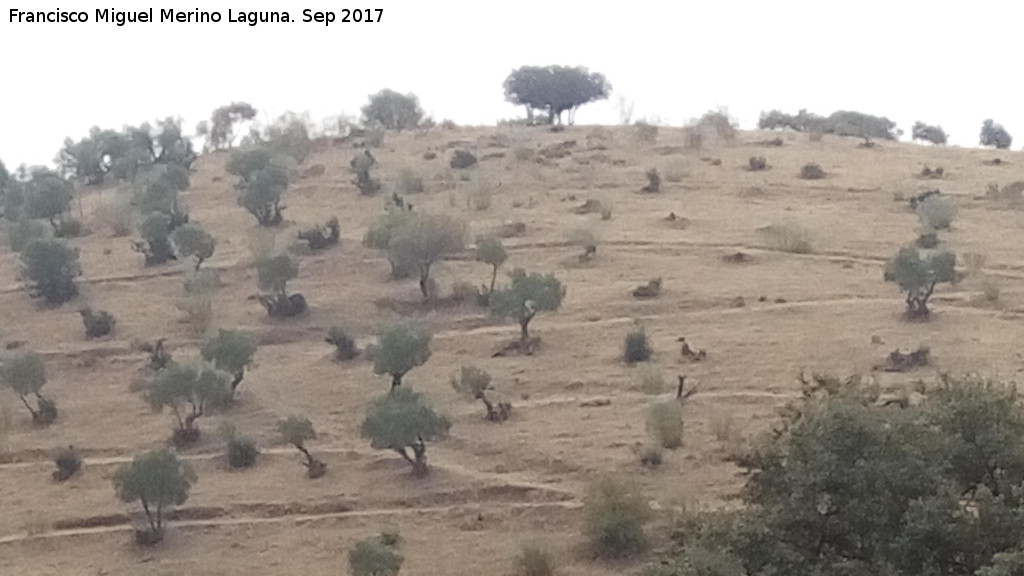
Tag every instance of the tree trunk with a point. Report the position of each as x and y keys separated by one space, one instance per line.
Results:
x=424 y=278
x=494 y=278
x=491 y=414
x=154 y=526
x=396 y=379
x=237 y=380
x=419 y=465
x=35 y=415
x=524 y=327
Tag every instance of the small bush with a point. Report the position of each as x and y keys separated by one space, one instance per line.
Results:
x=787 y=237
x=116 y=216
x=345 y=346
x=409 y=182
x=524 y=153
x=372 y=557
x=637 y=348
x=937 y=212
x=665 y=424
x=534 y=560
x=462 y=159
x=68 y=464
x=614 y=516
x=652 y=381
x=653 y=181
x=97 y=324
x=645 y=132
x=198 y=310
x=719 y=124
x=756 y=163
x=927 y=133
x=812 y=172
x=241 y=450
x=927 y=240
x=651 y=455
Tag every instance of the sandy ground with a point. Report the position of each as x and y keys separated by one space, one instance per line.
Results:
x=496 y=485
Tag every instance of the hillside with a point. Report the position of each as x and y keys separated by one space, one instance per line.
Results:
x=493 y=485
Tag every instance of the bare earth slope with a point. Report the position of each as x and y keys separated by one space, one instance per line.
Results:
x=496 y=485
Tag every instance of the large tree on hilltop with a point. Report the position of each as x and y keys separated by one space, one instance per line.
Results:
x=555 y=89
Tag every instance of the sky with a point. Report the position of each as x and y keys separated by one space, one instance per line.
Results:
x=953 y=64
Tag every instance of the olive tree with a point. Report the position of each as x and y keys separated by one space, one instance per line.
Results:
x=555 y=89
x=402 y=421
x=917 y=272
x=993 y=134
x=380 y=233
x=156 y=480
x=262 y=179
x=25 y=375
x=52 y=266
x=489 y=250
x=296 y=430
x=220 y=129
x=525 y=296
x=192 y=240
x=423 y=240
x=401 y=347
x=475 y=383
x=48 y=197
x=230 y=351
x=273 y=274
x=392 y=110
x=188 y=390
x=156 y=244
x=847 y=483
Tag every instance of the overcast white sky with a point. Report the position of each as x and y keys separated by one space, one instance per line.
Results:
x=952 y=64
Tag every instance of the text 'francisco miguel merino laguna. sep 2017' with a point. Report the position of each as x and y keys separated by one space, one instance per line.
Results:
x=252 y=17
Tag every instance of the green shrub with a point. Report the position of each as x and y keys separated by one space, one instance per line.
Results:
x=372 y=557
x=787 y=236
x=534 y=560
x=937 y=212
x=23 y=231
x=665 y=424
x=345 y=345
x=637 y=348
x=68 y=464
x=614 y=516
x=52 y=266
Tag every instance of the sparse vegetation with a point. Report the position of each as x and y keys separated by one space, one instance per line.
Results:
x=402 y=421
x=156 y=480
